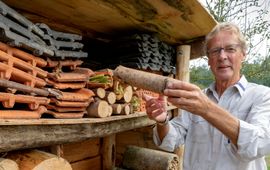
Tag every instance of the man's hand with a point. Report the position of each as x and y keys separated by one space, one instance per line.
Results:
x=188 y=97
x=156 y=107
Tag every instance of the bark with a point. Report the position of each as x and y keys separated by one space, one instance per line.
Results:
x=138 y=158
x=99 y=108
x=142 y=79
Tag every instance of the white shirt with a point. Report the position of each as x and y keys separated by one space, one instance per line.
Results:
x=206 y=148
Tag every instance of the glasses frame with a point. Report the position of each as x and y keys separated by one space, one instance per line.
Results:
x=228 y=49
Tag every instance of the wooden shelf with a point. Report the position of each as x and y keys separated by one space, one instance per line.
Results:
x=32 y=133
x=52 y=121
x=22 y=134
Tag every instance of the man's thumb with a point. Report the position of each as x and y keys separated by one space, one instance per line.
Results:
x=146 y=97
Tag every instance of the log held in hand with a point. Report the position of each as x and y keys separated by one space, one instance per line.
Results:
x=142 y=79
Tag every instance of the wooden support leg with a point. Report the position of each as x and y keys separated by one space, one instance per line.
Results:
x=108 y=152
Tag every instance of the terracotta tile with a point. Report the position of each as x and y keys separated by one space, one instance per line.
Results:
x=68 y=77
x=70 y=103
x=22 y=114
x=77 y=95
x=10 y=73
x=85 y=71
x=33 y=60
x=72 y=64
x=8 y=100
x=69 y=115
x=62 y=86
x=66 y=109
x=22 y=65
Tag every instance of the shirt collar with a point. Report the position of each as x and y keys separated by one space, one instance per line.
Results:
x=241 y=86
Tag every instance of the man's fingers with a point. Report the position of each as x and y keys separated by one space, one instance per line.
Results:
x=146 y=97
x=177 y=84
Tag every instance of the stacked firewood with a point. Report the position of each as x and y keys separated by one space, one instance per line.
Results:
x=111 y=96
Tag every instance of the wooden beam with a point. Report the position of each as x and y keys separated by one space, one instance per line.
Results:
x=25 y=136
x=197 y=48
x=108 y=152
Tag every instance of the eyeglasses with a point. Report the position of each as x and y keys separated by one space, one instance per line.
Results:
x=229 y=49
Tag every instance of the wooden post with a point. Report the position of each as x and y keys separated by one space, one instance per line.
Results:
x=182 y=73
x=108 y=152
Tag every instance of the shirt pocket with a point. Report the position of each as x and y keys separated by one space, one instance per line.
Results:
x=199 y=130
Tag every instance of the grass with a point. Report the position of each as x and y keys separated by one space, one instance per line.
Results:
x=267 y=159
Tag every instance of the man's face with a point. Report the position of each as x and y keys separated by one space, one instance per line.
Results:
x=225 y=56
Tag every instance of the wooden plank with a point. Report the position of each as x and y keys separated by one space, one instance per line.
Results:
x=77 y=151
x=25 y=136
x=172 y=21
x=93 y=163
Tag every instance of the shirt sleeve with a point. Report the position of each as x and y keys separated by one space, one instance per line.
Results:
x=176 y=135
x=254 y=133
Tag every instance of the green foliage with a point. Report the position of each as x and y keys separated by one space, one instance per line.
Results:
x=250 y=15
x=201 y=76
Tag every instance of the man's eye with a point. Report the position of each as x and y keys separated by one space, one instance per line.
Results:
x=230 y=50
x=215 y=51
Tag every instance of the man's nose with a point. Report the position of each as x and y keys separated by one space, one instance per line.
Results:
x=222 y=53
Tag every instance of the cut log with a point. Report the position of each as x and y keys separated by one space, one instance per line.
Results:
x=110 y=97
x=128 y=92
x=110 y=110
x=138 y=158
x=125 y=109
x=142 y=79
x=100 y=92
x=99 y=108
x=8 y=164
x=38 y=160
x=117 y=108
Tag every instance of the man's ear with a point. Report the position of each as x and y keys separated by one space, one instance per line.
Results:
x=244 y=56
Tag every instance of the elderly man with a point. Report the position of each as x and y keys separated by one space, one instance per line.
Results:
x=226 y=126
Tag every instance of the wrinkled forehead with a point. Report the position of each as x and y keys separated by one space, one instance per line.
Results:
x=222 y=39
